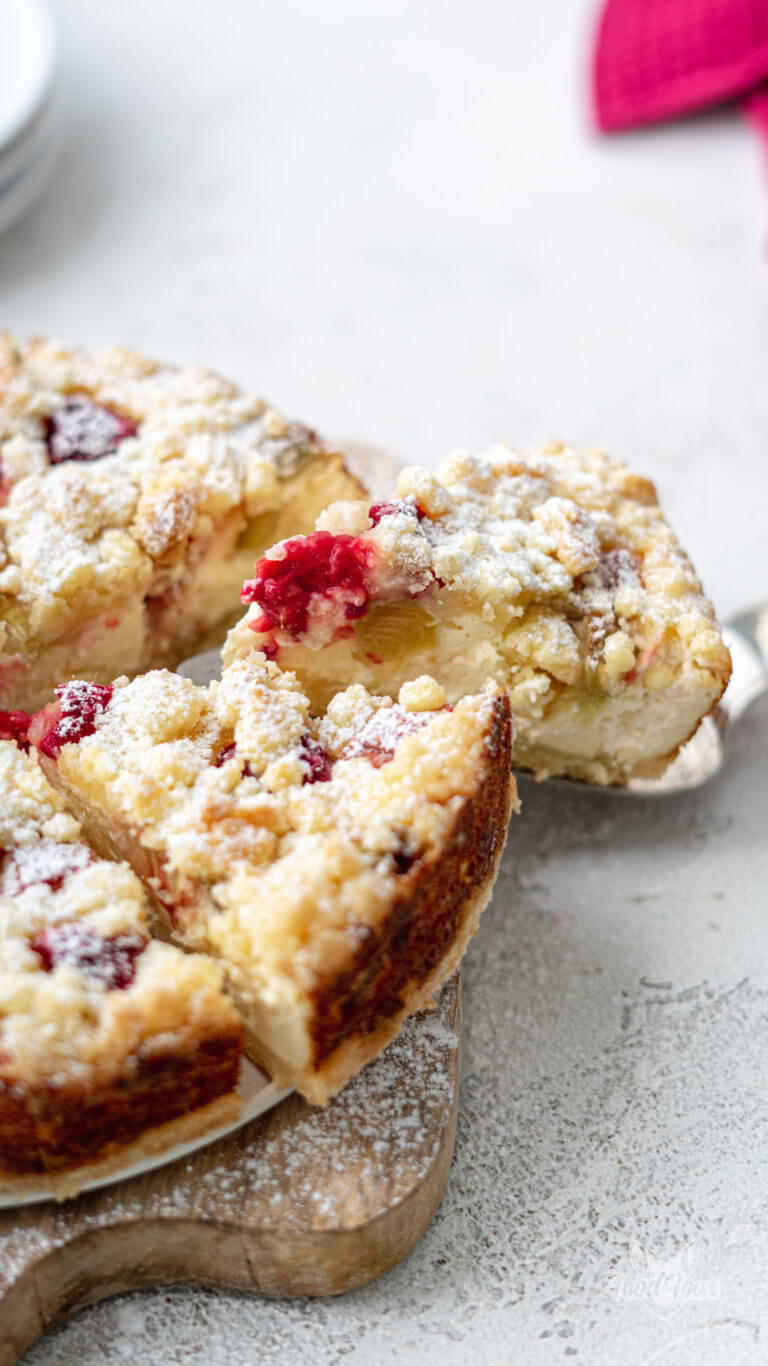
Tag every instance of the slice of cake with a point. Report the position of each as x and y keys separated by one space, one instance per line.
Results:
x=133 y=500
x=105 y=1034
x=554 y=573
x=336 y=866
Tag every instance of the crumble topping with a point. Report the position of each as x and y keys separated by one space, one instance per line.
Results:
x=83 y=988
x=285 y=819
x=553 y=572
x=123 y=481
x=379 y=737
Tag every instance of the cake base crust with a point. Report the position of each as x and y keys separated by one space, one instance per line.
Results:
x=50 y=1129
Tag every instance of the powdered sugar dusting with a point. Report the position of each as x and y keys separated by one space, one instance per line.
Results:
x=381 y=735
x=45 y=861
x=315 y=1168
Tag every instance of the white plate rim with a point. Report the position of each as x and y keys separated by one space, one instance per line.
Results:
x=29 y=30
x=19 y=196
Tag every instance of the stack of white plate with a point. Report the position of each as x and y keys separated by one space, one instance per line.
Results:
x=27 y=118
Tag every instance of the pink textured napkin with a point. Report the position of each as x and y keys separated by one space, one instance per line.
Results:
x=659 y=59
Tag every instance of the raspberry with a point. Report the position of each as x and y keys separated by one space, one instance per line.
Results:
x=229 y=753
x=399 y=505
x=14 y=726
x=110 y=961
x=83 y=430
x=334 y=567
x=44 y=862
x=316 y=760
x=69 y=720
x=378 y=739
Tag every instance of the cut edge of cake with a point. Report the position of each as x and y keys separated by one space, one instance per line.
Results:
x=554 y=573
x=99 y=1064
x=328 y=999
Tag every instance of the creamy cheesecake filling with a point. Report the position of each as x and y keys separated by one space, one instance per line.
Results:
x=554 y=574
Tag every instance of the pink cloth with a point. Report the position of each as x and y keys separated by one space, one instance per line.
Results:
x=659 y=59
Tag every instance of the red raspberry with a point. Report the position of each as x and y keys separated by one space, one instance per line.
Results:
x=331 y=566
x=402 y=505
x=69 y=720
x=111 y=961
x=84 y=430
x=42 y=862
x=229 y=753
x=317 y=761
x=14 y=726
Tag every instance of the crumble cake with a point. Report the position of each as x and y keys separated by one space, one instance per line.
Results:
x=133 y=499
x=105 y=1034
x=552 y=572
x=336 y=866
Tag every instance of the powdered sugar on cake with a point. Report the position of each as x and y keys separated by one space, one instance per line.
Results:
x=126 y=490
x=554 y=573
x=82 y=987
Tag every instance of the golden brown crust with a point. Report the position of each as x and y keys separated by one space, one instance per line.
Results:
x=50 y=1128
x=418 y=945
x=335 y=907
x=105 y=1036
x=116 y=1161
x=395 y=970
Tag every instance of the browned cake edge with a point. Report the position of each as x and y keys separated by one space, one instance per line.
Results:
x=398 y=966
x=396 y=971
x=56 y=1130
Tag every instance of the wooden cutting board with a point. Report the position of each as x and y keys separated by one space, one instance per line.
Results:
x=303 y=1201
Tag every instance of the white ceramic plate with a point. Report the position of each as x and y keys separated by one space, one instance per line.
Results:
x=27 y=62
x=21 y=154
x=21 y=191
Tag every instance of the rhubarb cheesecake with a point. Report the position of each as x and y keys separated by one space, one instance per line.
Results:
x=134 y=497
x=553 y=573
x=334 y=863
x=108 y=1038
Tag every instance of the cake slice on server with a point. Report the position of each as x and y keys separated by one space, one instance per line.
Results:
x=134 y=497
x=335 y=865
x=553 y=573
x=108 y=1040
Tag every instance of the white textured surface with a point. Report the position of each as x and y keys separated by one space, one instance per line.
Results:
x=391 y=220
